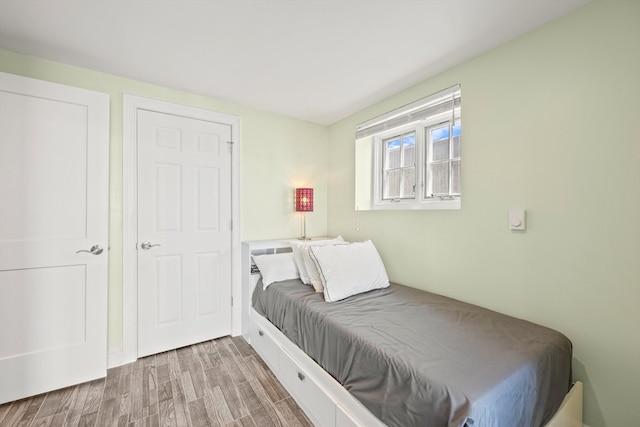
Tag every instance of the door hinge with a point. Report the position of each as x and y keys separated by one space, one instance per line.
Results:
x=231 y=301
x=231 y=225
x=230 y=145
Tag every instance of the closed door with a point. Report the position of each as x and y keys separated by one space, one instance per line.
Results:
x=184 y=231
x=54 y=157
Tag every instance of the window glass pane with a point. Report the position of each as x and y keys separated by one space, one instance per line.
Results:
x=440 y=178
x=399 y=166
x=392 y=153
x=455 y=176
x=408 y=182
x=440 y=144
x=440 y=133
x=409 y=150
x=392 y=184
x=456 y=147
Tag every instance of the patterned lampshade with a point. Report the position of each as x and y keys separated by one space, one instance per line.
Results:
x=304 y=199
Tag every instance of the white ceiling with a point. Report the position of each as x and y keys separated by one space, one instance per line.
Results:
x=317 y=60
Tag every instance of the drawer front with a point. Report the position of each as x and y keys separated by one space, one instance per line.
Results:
x=262 y=342
x=318 y=406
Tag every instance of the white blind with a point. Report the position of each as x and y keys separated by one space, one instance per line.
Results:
x=444 y=101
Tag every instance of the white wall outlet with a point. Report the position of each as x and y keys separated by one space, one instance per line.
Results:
x=517 y=219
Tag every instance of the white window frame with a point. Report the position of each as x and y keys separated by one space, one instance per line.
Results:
x=417 y=116
x=421 y=200
x=428 y=160
x=384 y=156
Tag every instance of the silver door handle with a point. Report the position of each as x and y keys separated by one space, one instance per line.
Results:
x=147 y=245
x=95 y=250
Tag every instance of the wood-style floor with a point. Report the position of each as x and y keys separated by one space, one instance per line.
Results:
x=216 y=383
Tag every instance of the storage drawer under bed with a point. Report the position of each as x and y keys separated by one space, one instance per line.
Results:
x=266 y=347
x=305 y=390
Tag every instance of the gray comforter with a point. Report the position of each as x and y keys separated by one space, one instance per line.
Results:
x=414 y=358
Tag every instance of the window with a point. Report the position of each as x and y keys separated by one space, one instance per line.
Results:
x=399 y=166
x=415 y=155
x=443 y=160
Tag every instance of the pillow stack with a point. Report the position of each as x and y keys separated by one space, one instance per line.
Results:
x=334 y=267
x=308 y=269
x=350 y=269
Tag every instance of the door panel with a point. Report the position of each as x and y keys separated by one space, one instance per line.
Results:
x=208 y=197
x=168 y=189
x=63 y=192
x=168 y=289
x=26 y=295
x=208 y=271
x=53 y=202
x=184 y=206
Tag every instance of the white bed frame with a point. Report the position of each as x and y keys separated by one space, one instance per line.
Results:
x=321 y=397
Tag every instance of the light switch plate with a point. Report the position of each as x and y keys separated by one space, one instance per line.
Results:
x=517 y=219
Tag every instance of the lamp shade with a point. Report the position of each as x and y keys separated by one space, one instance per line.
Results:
x=304 y=199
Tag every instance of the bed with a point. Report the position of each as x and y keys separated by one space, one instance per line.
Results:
x=398 y=356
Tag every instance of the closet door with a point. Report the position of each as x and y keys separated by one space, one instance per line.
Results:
x=54 y=151
x=184 y=231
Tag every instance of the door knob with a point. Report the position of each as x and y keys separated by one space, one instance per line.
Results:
x=147 y=245
x=95 y=250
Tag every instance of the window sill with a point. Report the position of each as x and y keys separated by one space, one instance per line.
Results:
x=455 y=204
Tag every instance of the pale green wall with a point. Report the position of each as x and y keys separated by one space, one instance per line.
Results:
x=277 y=154
x=551 y=123
x=535 y=136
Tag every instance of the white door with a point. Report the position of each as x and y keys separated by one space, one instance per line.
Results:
x=54 y=159
x=184 y=231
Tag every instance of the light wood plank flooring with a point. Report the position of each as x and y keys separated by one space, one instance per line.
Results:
x=216 y=383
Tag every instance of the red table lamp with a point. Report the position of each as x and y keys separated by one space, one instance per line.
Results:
x=304 y=204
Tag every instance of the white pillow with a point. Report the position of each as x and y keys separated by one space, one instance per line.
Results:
x=300 y=254
x=298 y=248
x=310 y=264
x=276 y=268
x=349 y=269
